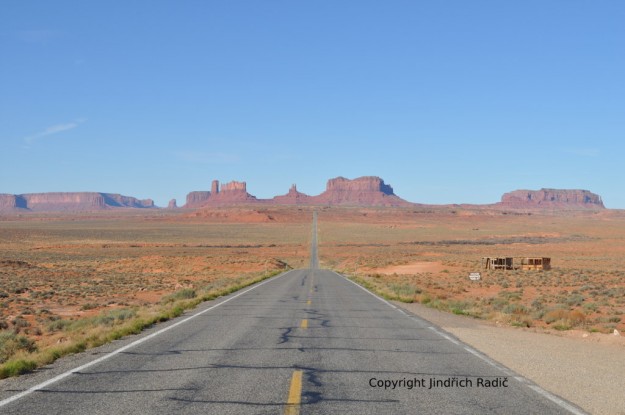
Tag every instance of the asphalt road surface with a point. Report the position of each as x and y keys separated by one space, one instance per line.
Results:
x=306 y=342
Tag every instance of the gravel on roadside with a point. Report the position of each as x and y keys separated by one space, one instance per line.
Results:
x=587 y=369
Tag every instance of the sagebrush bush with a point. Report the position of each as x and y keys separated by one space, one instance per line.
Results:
x=184 y=294
x=11 y=343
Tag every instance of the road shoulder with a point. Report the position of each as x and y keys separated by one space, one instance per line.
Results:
x=587 y=371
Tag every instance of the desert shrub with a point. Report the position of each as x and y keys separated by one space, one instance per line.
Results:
x=538 y=314
x=562 y=318
x=522 y=322
x=16 y=367
x=57 y=324
x=511 y=295
x=123 y=314
x=515 y=309
x=537 y=304
x=11 y=343
x=562 y=325
x=574 y=300
x=19 y=323
x=554 y=315
x=404 y=290
x=108 y=318
x=496 y=303
x=184 y=294
x=460 y=307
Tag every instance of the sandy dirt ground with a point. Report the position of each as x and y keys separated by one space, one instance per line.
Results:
x=587 y=369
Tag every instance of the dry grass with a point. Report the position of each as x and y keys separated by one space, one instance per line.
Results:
x=585 y=289
x=70 y=283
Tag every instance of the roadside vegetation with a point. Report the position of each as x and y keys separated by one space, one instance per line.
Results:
x=69 y=283
x=20 y=354
x=540 y=301
x=426 y=257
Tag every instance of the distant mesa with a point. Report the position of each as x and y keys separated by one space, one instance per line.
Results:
x=552 y=199
x=10 y=202
x=70 y=201
x=197 y=199
x=230 y=193
x=363 y=191
x=372 y=191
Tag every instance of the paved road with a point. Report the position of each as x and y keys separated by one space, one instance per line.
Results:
x=306 y=342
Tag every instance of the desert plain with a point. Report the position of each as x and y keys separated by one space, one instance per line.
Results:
x=70 y=281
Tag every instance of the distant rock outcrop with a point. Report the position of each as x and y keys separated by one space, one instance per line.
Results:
x=230 y=193
x=11 y=202
x=71 y=201
x=363 y=191
x=197 y=199
x=292 y=198
x=552 y=198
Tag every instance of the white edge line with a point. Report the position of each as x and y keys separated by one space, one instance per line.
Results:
x=57 y=378
x=553 y=398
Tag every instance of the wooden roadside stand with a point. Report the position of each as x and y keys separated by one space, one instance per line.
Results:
x=512 y=263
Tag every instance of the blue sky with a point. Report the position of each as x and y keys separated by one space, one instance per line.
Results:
x=447 y=101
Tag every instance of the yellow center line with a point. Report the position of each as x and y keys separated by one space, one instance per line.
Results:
x=308 y=302
x=304 y=324
x=295 y=394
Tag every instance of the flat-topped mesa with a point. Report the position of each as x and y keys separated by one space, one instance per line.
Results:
x=60 y=201
x=363 y=191
x=293 y=197
x=230 y=193
x=552 y=198
x=117 y=200
x=197 y=199
x=233 y=186
x=364 y=184
x=71 y=201
x=12 y=202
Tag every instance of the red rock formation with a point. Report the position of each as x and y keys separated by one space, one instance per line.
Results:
x=71 y=201
x=172 y=204
x=292 y=198
x=197 y=199
x=230 y=193
x=65 y=201
x=363 y=191
x=233 y=186
x=11 y=202
x=117 y=200
x=552 y=198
